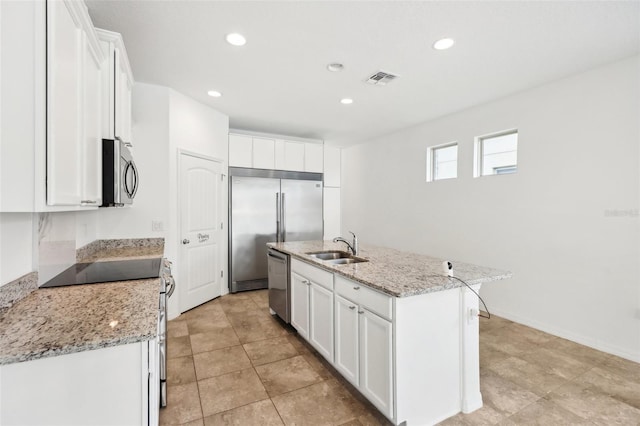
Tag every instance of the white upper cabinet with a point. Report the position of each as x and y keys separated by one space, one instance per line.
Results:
x=240 y=151
x=117 y=84
x=289 y=155
x=313 y=157
x=51 y=107
x=263 y=153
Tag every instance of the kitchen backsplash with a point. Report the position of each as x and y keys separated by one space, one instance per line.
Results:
x=56 y=243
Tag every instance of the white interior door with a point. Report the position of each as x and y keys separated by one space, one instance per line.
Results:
x=200 y=233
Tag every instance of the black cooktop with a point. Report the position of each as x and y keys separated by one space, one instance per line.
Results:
x=104 y=272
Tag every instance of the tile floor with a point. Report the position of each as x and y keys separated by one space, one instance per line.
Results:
x=231 y=363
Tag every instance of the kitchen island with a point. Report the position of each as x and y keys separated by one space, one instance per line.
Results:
x=394 y=325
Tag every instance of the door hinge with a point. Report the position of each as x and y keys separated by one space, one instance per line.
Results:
x=222 y=177
x=221 y=225
x=221 y=274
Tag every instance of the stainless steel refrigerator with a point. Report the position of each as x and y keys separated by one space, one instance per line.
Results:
x=267 y=206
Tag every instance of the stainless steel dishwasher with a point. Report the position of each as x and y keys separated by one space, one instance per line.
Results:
x=279 y=290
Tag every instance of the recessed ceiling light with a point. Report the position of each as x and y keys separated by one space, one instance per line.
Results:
x=443 y=44
x=236 y=39
x=335 y=67
x=214 y=93
x=346 y=101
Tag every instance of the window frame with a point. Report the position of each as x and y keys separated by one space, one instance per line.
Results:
x=431 y=169
x=478 y=152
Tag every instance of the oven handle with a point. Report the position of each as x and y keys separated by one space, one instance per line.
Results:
x=171 y=287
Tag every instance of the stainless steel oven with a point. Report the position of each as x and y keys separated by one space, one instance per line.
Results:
x=166 y=290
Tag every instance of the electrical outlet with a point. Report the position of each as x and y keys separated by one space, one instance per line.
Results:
x=157 y=226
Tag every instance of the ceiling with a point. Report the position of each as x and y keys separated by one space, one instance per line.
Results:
x=278 y=82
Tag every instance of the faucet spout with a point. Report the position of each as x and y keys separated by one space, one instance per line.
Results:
x=353 y=247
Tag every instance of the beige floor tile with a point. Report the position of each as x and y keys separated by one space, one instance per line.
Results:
x=297 y=342
x=287 y=375
x=492 y=324
x=503 y=395
x=199 y=422
x=544 y=413
x=529 y=376
x=261 y=413
x=177 y=328
x=260 y=297
x=326 y=403
x=217 y=338
x=591 y=404
x=259 y=330
x=578 y=352
x=183 y=405
x=220 y=361
x=212 y=306
x=228 y=391
x=207 y=324
x=622 y=367
x=608 y=383
x=180 y=371
x=266 y=351
x=490 y=355
x=320 y=366
x=237 y=304
x=178 y=346
x=556 y=362
x=484 y=416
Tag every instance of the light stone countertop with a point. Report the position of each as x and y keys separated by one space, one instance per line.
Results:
x=61 y=320
x=397 y=273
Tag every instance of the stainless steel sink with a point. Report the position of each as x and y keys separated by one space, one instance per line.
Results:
x=330 y=255
x=346 y=261
x=336 y=257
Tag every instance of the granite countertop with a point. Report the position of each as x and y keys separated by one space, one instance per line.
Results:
x=61 y=320
x=393 y=272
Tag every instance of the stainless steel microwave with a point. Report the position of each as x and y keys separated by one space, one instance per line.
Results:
x=120 y=177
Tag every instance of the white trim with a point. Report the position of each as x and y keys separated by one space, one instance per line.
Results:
x=478 y=148
x=252 y=133
x=118 y=42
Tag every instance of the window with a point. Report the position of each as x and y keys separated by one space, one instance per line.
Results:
x=442 y=162
x=496 y=154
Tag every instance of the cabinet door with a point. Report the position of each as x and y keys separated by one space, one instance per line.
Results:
x=313 y=157
x=300 y=304
x=64 y=99
x=376 y=361
x=240 y=151
x=321 y=320
x=92 y=140
x=263 y=153
x=347 y=357
x=122 y=99
x=289 y=155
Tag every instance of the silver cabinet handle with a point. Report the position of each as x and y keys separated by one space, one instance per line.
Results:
x=283 y=215
x=361 y=312
x=88 y=201
x=305 y=281
x=185 y=241
x=352 y=307
x=277 y=217
x=356 y=288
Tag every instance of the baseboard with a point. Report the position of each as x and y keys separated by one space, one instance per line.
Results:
x=569 y=335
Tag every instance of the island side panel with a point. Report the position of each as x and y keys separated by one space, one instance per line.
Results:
x=428 y=357
x=470 y=336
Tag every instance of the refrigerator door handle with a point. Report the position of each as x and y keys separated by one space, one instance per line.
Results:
x=283 y=214
x=277 y=217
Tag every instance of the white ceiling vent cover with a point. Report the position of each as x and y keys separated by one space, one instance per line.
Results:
x=381 y=78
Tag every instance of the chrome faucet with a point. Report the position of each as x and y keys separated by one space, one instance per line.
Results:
x=352 y=246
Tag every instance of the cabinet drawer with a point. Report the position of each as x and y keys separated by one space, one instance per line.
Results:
x=313 y=273
x=361 y=294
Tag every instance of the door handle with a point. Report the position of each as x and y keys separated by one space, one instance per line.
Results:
x=283 y=214
x=277 y=217
x=185 y=241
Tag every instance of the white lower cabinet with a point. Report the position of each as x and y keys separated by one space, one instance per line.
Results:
x=114 y=386
x=312 y=306
x=364 y=351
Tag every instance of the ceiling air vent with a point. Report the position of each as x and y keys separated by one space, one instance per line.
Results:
x=381 y=78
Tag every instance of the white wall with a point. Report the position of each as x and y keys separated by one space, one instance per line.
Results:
x=199 y=129
x=16 y=246
x=150 y=135
x=553 y=224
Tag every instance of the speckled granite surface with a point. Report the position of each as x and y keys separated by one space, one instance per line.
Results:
x=394 y=272
x=11 y=293
x=105 y=250
x=62 y=320
x=55 y=321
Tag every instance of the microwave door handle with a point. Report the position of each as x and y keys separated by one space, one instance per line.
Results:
x=135 y=180
x=126 y=181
